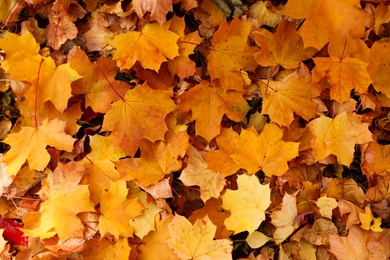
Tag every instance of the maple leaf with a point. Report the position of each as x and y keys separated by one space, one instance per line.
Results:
x=291 y=95
x=158 y=9
x=284 y=47
x=99 y=167
x=151 y=47
x=338 y=136
x=267 y=151
x=101 y=248
x=140 y=114
x=326 y=205
x=96 y=84
x=144 y=223
x=360 y=244
x=247 y=204
x=30 y=144
x=220 y=160
x=12 y=232
x=283 y=219
x=197 y=173
x=379 y=66
x=196 y=241
x=17 y=47
x=368 y=220
x=376 y=159
x=154 y=245
x=208 y=103
x=60 y=189
x=156 y=160
x=116 y=211
x=319 y=233
x=230 y=53
x=341 y=75
x=382 y=16
x=328 y=18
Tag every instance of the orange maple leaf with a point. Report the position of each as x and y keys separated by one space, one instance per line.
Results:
x=196 y=173
x=157 y=159
x=197 y=241
x=30 y=144
x=151 y=47
x=379 y=67
x=230 y=53
x=291 y=95
x=116 y=211
x=328 y=19
x=158 y=9
x=140 y=114
x=338 y=136
x=97 y=84
x=376 y=159
x=341 y=76
x=267 y=151
x=284 y=47
x=208 y=103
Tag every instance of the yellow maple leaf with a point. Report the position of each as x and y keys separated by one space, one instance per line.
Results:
x=230 y=53
x=283 y=219
x=291 y=95
x=99 y=167
x=196 y=241
x=151 y=46
x=197 y=173
x=368 y=220
x=267 y=151
x=101 y=249
x=116 y=211
x=284 y=47
x=247 y=204
x=208 y=103
x=64 y=199
x=338 y=136
x=140 y=114
x=157 y=159
x=30 y=144
x=17 y=47
x=326 y=205
x=341 y=76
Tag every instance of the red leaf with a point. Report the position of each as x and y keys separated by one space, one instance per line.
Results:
x=12 y=232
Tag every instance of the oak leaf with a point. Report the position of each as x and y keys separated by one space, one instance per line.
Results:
x=30 y=144
x=379 y=67
x=97 y=82
x=60 y=190
x=196 y=241
x=140 y=114
x=338 y=136
x=157 y=159
x=376 y=159
x=247 y=204
x=328 y=19
x=197 y=173
x=208 y=103
x=267 y=151
x=283 y=219
x=341 y=76
x=291 y=95
x=116 y=211
x=284 y=47
x=230 y=53
x=220 y=160
x=151 y=47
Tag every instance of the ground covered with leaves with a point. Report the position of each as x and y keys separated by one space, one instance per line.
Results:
x=185 y=129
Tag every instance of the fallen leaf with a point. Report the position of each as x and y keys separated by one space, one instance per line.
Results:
x=257 y=239
x=326 y=205
x=375 y=159
x=379 y=65
x=101 y=249
x=158 y=9
x=368 y=220
x=247 y=204
x=319 y=233
x=196 y=241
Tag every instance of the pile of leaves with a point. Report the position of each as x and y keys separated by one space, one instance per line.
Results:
x=185 y=129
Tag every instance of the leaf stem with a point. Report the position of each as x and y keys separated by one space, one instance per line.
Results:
x=116 y=92
x=36 y=94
